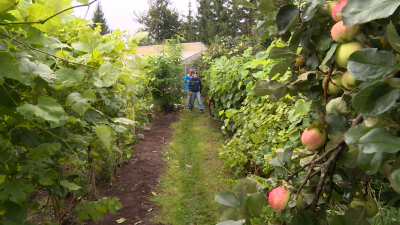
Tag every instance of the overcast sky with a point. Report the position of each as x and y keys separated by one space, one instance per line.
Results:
x=119 y=13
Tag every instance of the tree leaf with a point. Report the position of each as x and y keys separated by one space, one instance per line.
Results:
x=370 y=64
x=363 y=11
x=48 y=178
x=255 y=203
x=379 y=140
x=227 y=198
x=396 y=177
x=79 y=103
x=371 y=163
x=106 y=135
x=70 y=185
x=355 y=216
x=308 y=218
x=375 y=99
x=393 y=37
x=264 y=87
x=287 y=16
x=355 y=133
x=16 y=190
x=337 y=124
x=281 y=52
x=329 y=54
x=47 y=109
x=280 y=68
x=310 y=9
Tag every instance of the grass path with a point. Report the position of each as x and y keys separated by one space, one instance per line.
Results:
x=193 y=175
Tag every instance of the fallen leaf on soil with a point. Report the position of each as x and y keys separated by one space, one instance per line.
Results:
x=154 y=193
x=120 y=220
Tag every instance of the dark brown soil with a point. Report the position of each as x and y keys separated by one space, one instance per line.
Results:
x=135 y=181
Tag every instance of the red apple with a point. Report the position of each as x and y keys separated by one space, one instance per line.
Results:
x=337 y=9
x=348 y=81
x=278 y=198
x=344 y=51
x=333 y=89
x=313 y=138
x=342 y=34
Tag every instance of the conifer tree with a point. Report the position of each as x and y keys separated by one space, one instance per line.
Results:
x=98 y=17
x=189 y=26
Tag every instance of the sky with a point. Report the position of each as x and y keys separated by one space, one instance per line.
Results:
x=119 y=13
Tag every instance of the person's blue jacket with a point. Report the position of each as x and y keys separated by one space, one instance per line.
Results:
x=186 y=82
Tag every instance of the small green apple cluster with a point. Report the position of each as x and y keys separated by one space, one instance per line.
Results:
x=344 y=35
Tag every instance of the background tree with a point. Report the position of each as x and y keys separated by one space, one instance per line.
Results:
x=189 y=26
x=98 y=17
x=160 y=21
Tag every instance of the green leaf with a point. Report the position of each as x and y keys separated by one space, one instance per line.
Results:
x=138 y=64
x=70 y=77
x=9 y=68
x=265 y=7
x=302 y=106
x=337 y=220
x=324 y=41
x=396 y=177
x=36 y=12
x=375 y=99
x=337 y=105
x=256 y=138
x=379 y=140
x=227 y=198
x=308 y=218
x=287 y=16
x=255 y=203
x=264 y=87
x=134 y=40
x=354 y=134
x=337 y=124
x=48 y=178
x=16 y=191
x=355 y=216
x=106 y=135
x=371 y=163
x=281 y=52
x=47 y=109
x=329 y=54
x=44 y=150
x=79 y=103
x=280 y=68
x=370 y=64
x=309 y=10
x=5 y=4
x=70 y=185
x=393 y=37
x=109 y=74
x=363 y=11
x=124 y=121
x=83 y=46
x=244 y=3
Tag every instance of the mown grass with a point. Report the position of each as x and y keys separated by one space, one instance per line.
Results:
x=194 y=175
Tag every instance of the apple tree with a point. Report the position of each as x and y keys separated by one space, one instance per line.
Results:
x=342 y=57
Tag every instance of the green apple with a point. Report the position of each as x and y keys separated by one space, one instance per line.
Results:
x=337 y=9
x=369 y=203
x=348 y=81
x=333 y=89
x=342 y=34
x=330 y=5
x=344 y=51
x=313 y=137
x=278 y=198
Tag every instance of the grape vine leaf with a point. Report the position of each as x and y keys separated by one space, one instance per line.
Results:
x=106 y=135
x=80 y=103
x=15 y=191
x=70 y=77
x=396 y=177
x=44 y=150
x=363 y=11
x=47 y=108
x=70 y=185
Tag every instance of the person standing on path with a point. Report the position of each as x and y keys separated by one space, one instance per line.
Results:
x=195 y=90
x=186 y=82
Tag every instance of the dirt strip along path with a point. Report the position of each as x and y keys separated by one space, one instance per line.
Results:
x=134 y=182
